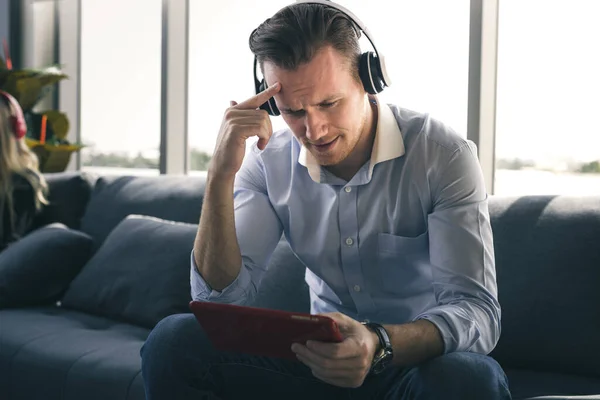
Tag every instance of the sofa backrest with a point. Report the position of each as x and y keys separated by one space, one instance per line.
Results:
x=174 y=198
x=548 y=273
x=68 y=197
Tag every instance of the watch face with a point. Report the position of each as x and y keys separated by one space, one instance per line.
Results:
x=381 y=361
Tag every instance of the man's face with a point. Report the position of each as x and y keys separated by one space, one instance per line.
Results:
x=322 y=103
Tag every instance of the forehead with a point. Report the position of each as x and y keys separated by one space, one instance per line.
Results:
x=325 y=75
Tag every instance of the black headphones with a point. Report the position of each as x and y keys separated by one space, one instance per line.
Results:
x=372 y=70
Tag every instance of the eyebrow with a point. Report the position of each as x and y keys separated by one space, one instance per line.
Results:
x=328 y=99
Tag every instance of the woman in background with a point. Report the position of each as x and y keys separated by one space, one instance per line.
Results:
x=23 y=189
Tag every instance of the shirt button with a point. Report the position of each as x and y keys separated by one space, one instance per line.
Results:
x=356 y=288
x=349 y=241
x=348 y=189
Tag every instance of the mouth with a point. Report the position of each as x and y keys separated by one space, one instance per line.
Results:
x=326 y=146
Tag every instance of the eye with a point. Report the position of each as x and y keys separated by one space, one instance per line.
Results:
x=329 y=105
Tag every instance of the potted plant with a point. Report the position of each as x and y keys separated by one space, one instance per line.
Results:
x=46 y=130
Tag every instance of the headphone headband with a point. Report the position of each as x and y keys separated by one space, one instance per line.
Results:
x=372 y=69
x=358 y=22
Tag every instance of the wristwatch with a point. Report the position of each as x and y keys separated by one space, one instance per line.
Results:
x=384 y=356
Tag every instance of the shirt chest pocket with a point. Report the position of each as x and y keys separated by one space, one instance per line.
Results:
x=403 y=263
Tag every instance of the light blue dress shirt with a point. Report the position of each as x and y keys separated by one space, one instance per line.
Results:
x=407 y=238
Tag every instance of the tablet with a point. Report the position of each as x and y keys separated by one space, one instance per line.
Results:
x=260 y=331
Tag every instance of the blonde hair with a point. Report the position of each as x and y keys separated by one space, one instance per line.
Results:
x=16 y=158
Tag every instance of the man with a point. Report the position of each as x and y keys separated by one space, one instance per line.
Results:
x=387 y=209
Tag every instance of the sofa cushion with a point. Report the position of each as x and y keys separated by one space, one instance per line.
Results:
x=39 y=267
x=525 y=385
x=141 y=274
x=55 y=354
x=548 y=272
x=68 y=196
x=174 y=198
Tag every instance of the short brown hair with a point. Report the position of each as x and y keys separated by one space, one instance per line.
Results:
x=296 y=33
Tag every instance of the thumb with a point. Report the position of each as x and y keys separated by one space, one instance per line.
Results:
x=345 y=324
x=232 y=103
x=345 y=327
x=261 y=144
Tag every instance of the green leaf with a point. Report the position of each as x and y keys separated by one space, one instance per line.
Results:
x=29 y=91
x=50 y=76
x=58 y=122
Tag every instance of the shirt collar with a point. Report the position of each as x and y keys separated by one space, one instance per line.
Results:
x=388 y=144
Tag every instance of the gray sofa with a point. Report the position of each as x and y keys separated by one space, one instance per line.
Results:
x=82 y=339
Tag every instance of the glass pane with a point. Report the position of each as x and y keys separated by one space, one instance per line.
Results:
x=216 y=75
x=548 y=85
x=426 y=47
x=121 y=85
x=429 y=70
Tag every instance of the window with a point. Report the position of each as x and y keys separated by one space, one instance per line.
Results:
x=220 y=67
x=121 y=85
x=547 y=139
x=426 y=45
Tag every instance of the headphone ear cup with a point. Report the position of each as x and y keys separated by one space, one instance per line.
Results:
x=17 y=128
x=17 y=121
x=274 y=110
x=20 y=127
x=269 y=106
x=370 y=73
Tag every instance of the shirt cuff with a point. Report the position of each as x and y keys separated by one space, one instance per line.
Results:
x=235 y=293
x=459 y=331
x=444 y=329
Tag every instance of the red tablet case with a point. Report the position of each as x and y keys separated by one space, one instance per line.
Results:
x=261 y=331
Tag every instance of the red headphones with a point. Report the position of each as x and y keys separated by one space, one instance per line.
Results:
x=17 y=118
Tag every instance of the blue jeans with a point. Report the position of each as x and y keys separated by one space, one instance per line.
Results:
x=179 y=362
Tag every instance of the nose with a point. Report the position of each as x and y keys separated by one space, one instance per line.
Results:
x=316 y=126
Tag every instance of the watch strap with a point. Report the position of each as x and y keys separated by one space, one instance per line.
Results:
x=384 y=338
x=385 y=354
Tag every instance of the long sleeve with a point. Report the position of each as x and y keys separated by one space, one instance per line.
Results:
x=258 y=231
x=23 y=213
x=462 y=257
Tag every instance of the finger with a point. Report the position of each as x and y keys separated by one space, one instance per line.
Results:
x=252 y=125
x=233 y=113
x=343 y=322
x=261 y=98
x=255 y=129
x=345 y=350
x=324 y=362
x=247 y=117
x=262 y=144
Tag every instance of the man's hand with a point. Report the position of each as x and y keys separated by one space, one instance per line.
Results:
x=240 y=122
x=344 y=364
